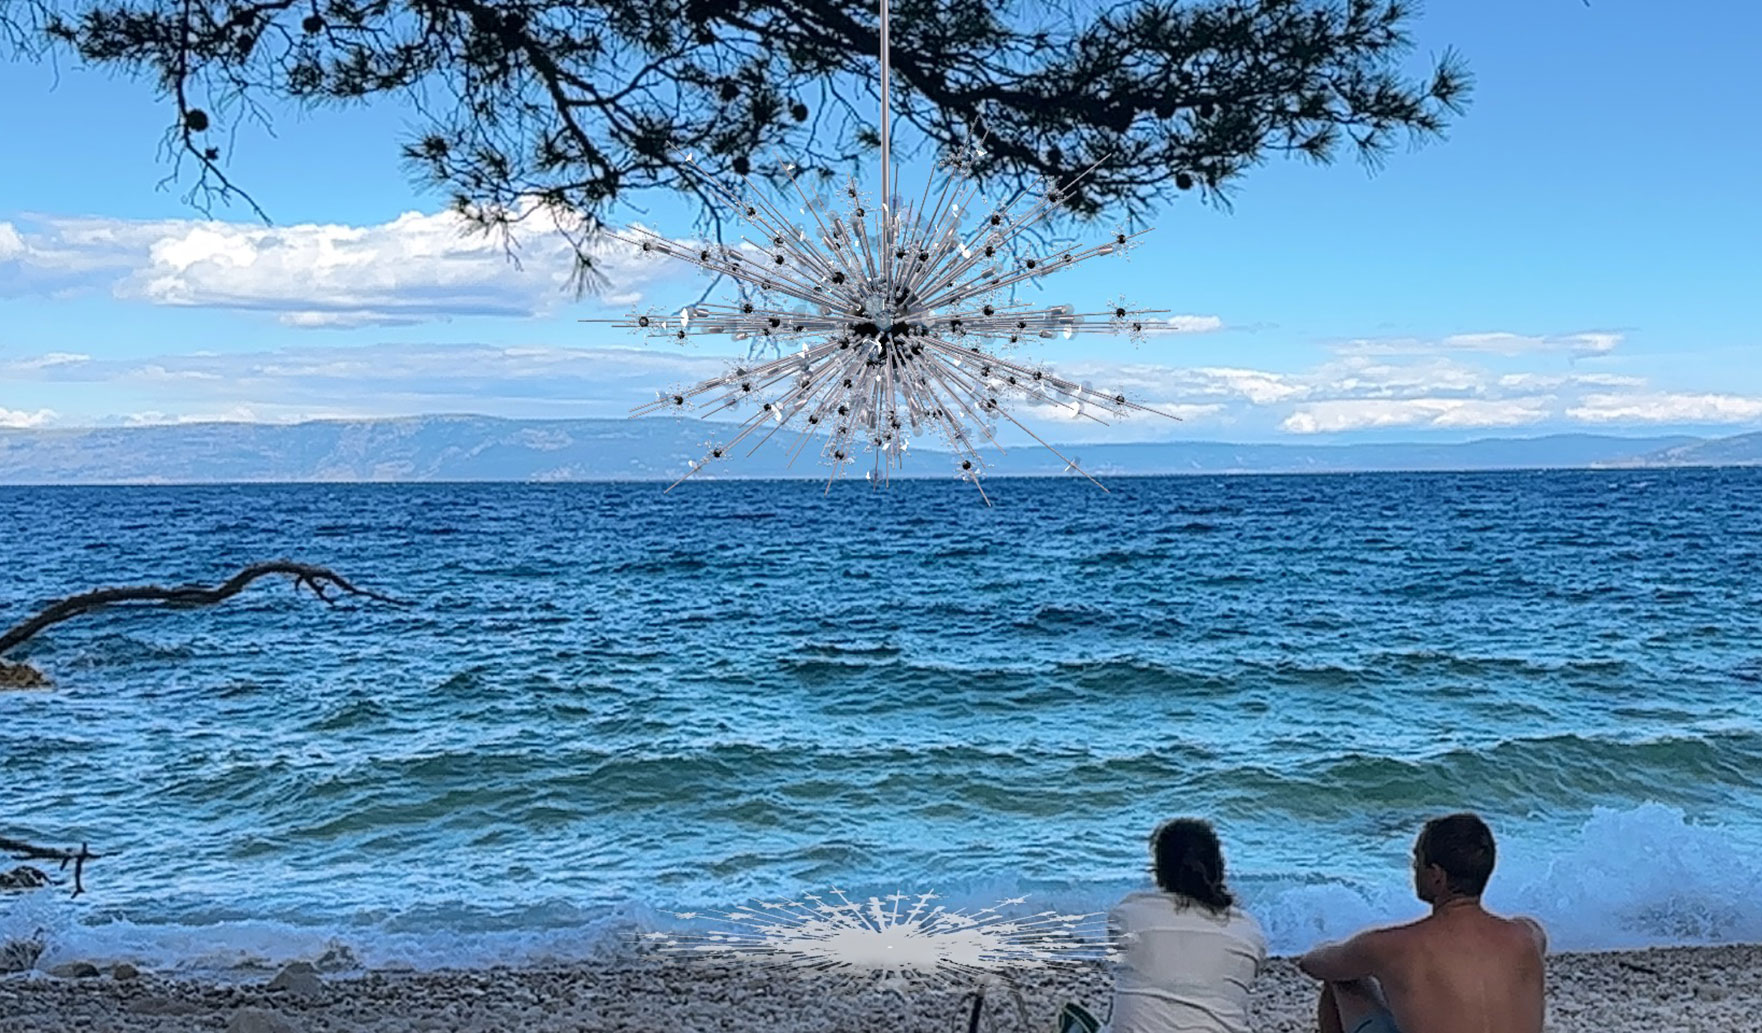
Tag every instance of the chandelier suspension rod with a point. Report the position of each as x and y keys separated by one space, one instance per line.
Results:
x=886 y=160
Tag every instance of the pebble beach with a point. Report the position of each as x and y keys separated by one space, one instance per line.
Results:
x=1682 y=989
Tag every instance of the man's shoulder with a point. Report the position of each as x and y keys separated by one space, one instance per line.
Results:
x=1431 y=927
x=1401 y=930
x=1385 y=936
x=1384 y=942
x=1534 y=928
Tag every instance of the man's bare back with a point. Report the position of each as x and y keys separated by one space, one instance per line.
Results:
x=1460 y=969
x=1463 y=970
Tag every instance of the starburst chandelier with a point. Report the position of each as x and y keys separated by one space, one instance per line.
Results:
x=888 y=324
x=893 y=942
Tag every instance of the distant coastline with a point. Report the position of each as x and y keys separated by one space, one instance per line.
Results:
x=486 y=449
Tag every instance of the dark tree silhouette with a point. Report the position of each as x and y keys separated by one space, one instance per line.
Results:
x=569 y=107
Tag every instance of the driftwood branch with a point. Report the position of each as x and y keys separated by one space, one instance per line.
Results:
x=318 y=579
x=26 y=852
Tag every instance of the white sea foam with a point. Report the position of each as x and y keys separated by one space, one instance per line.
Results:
x=1636 y=877
x=1643 y=876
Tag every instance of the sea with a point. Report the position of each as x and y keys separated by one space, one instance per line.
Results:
x=604 y=705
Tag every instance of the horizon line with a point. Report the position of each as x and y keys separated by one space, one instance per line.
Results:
x=1605 y=468
x=1315 y=441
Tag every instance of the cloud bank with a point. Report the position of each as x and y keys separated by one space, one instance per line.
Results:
x=1347 y=393
x=421 y=268
x=416 y=268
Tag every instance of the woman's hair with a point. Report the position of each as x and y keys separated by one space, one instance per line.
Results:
x=1189 y=862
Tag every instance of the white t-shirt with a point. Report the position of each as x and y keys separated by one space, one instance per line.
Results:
x=1181 y=968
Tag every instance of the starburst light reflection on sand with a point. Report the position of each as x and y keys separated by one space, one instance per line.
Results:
x=891 y=321
x=896 y=941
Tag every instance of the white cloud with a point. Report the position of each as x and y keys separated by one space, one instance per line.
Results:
x=1259 y=387
x=1067 y=414
x=11 y=244
x=1493 y=343
x=346 y=320
x=1146 y=381
x=1556 y=381
x=1344 y=394
x=1195 y=324
x=382 y=380
x=230 y=414
x=415 y=268
x=1333 y=417
x=1661 y=407
x=1518 y=344
x=45 y=361
x=1363 y=377
x=382 y=367
x=18 y=419
x=1181 y=411
x=156 y=372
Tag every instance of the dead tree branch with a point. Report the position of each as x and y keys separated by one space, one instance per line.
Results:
x=26 y=852
x=318 y=579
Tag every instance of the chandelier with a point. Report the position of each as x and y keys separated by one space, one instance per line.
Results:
x=889 y=321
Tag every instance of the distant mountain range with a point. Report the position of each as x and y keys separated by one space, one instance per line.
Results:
x=1740 y=450
x=478 y=448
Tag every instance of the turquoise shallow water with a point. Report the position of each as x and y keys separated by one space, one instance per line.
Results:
x=608 y=703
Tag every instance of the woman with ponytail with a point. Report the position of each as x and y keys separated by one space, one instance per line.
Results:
x=1186 y=953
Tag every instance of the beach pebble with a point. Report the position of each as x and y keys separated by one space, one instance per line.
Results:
x=75 y=970
x=256 y=1020
x=298 y=978
x=124 y=970
x=1711 y=992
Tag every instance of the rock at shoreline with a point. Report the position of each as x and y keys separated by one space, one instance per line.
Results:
x=337 y=958
x=21 y=676
x=299 y=978
x=256 y=1020
x=163 y=1005
x=75 y=970
x=20 y=955
x=24 y=877
x=122 y=970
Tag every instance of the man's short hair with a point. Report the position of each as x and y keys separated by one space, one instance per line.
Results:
x=1462 y=845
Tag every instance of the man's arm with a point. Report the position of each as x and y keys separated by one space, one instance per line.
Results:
x=1343 y=962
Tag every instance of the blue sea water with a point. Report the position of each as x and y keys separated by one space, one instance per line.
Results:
x=607 y=703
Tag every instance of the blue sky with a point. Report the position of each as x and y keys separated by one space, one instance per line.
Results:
x=1580 y=254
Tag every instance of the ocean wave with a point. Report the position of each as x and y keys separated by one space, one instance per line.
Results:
x=1559 y=771
x=1692 y=887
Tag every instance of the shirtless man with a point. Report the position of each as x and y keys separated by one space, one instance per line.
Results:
x=1460 y=969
